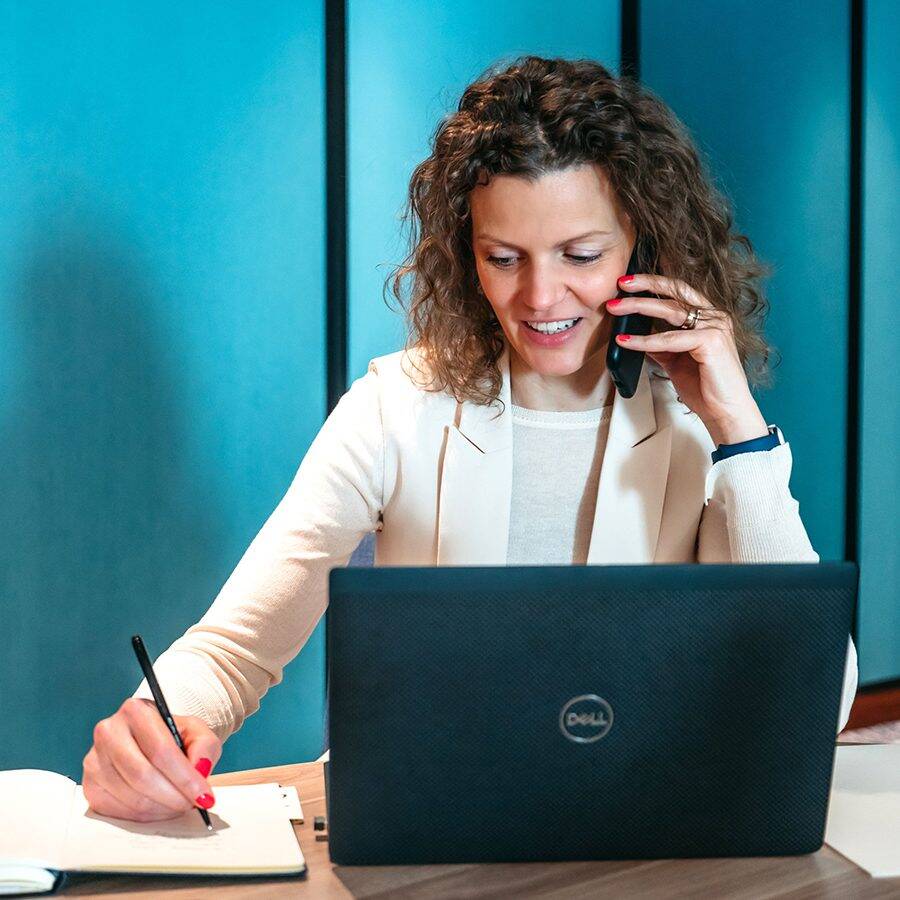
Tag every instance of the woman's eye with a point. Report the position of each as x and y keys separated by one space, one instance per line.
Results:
x=506 y=262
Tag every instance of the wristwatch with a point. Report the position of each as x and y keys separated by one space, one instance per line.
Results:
x=773 y=439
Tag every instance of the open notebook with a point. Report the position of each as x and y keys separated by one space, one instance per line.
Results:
x=46 y=828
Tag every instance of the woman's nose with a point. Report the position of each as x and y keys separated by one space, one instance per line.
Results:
x=541 y=291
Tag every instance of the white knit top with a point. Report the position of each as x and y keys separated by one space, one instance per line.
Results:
x=556 y=469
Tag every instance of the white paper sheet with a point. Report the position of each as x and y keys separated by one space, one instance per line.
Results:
x=864 y=810
x=251 y=832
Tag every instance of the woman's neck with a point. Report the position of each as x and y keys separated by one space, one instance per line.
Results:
x=591 y=387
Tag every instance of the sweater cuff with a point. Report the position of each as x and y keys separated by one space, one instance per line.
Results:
x=762 y=518
x=754 y=485
x=182 y=698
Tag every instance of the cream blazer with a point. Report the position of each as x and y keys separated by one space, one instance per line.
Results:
x=432 y=477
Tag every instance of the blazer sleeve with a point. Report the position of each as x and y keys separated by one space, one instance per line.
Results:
x=221 y=667
x=750 y=516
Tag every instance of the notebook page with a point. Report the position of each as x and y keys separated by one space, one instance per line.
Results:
x=251 y=833
x=34 y=807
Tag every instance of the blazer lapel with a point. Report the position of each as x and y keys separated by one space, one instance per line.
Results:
x=475 y=482
x=633 y=477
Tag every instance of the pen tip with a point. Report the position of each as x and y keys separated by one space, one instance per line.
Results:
x=209 y=827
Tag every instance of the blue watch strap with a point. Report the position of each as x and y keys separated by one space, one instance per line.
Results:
x=766 y=442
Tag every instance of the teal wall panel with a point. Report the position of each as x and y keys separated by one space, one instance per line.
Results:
x=770 y=109
x=408 y=63
x=162 y=367
x=764 y=89
x=161 y=343
x=879 y=512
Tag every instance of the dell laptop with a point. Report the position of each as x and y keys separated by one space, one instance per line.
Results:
x=525 y=713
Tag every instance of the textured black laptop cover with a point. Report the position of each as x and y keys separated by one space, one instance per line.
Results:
x=446 y=685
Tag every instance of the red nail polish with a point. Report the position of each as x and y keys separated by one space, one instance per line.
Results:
x=205 y=800
x=625 y=279
x=204 y=766
x=624 y=337
x=613 y=302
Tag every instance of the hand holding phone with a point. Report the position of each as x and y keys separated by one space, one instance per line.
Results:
x=623 y=363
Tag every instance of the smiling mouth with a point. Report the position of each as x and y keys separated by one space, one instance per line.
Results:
x=555 y=326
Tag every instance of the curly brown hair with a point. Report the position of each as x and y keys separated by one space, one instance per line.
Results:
x=542 y=115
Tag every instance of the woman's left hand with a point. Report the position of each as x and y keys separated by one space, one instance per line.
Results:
x=702 y=362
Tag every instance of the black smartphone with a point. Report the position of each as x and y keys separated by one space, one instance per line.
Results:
x=623 y=363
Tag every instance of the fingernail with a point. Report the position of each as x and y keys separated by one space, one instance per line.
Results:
x=205 y=800
x=624 y=337
x=625 y=279
x=613 y=302
x=204 y=766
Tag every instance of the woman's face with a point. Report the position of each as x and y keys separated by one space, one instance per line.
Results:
x=548 y=252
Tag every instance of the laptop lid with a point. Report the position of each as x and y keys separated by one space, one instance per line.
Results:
x=494 y=713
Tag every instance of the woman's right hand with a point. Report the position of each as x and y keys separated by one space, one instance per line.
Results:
x=136 y=771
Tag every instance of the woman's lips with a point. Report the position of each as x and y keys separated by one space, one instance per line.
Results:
x=550 y=340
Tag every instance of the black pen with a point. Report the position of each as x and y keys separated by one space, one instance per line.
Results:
x=141 y=652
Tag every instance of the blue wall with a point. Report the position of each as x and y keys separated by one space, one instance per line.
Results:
x=879 y=513
x=162 y=294
x=161 y=343
x=406 y=68
x=766 y=93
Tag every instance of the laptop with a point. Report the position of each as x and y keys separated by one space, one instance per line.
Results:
x=524 y=713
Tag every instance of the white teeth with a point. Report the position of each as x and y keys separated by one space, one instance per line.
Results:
x=552 y=327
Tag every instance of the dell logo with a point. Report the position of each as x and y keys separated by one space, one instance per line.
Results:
x=594 y=719
x=586 y=718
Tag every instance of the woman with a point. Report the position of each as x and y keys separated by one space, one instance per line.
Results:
x=482 y=441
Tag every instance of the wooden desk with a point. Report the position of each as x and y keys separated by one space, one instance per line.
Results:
x=822 y=874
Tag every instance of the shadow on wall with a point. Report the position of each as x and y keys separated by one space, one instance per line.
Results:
x=108 y=524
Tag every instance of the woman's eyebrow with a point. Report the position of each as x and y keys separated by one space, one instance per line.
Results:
x=483 y=236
